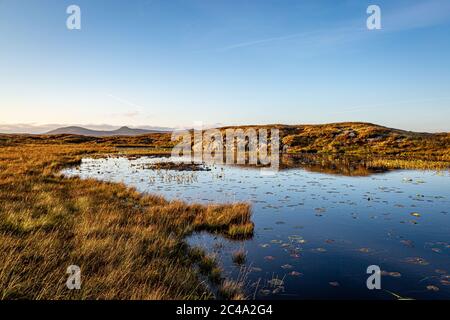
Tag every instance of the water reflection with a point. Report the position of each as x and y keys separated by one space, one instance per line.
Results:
x=319 y=223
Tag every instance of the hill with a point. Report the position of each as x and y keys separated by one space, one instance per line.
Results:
x=349 y=138
x=123 y=131
x=360 y=138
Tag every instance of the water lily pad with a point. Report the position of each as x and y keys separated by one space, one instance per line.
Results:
x=432 y=288
x=445 y=281
x=275 y=282
x=265 y=292
x=417 y=260
x=334 y=283
x=278 y=290
x=407 y=243
x=393 y=274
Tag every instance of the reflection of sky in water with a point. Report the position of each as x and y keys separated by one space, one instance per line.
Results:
x=328 y=228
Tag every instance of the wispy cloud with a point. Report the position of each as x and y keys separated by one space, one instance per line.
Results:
x=272 y=39
x=137 y=112
x=130 y=114
x=419 y=15
x=308 y=38
x=125 y=101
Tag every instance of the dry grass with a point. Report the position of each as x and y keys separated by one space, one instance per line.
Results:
x=231 y=290
x=408 y=164
x=347 y=138
x=128 y=245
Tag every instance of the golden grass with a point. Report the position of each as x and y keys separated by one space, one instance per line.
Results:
x=231 y=290
x=346 y=138
x=128 y=245
x=408 y=164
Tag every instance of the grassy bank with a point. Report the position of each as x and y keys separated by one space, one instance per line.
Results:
x=128 y=245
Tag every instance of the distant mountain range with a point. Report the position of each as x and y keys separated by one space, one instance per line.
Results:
x=123 y=131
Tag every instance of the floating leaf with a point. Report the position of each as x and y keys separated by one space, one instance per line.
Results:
x=334 y=283
x=407 y=243
x=275 y=282
x=391 y=274
x=417 y=260
x=278 y=290
x=445 y=281
x=432 y=288
x=265 y=292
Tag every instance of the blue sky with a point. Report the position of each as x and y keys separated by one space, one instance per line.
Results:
x=175 y=62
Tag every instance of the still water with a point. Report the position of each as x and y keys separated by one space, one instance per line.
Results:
x=316 y=233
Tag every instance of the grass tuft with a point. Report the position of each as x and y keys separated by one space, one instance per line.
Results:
x=239 y=257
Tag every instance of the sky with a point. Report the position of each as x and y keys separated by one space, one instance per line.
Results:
x=174 y=63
